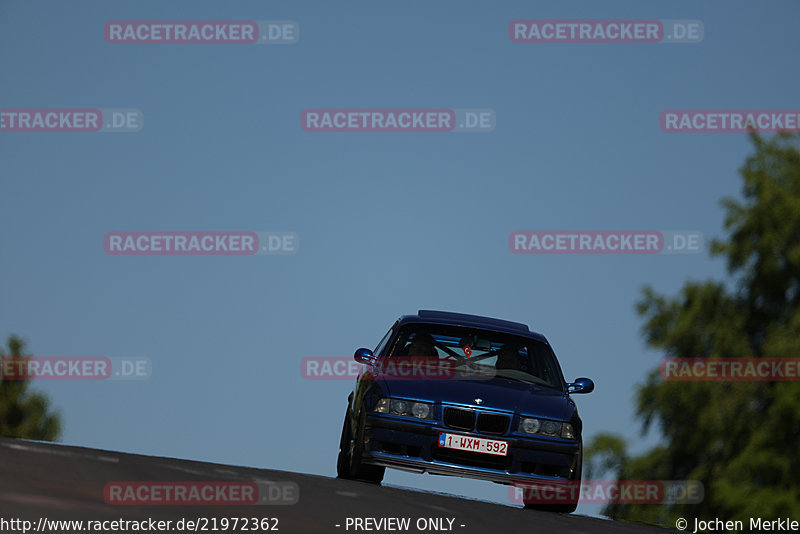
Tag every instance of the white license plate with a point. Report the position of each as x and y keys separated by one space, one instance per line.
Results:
x=469 y=443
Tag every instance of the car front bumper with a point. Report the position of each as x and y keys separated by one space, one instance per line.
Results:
x=412 y=446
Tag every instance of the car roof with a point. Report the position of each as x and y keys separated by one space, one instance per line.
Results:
x=475 y=321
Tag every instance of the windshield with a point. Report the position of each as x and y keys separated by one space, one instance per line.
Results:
x=480 y=353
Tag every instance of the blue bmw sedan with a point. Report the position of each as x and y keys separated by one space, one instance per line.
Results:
x=462 y=395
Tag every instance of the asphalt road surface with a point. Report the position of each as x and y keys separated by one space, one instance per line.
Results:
x=46 y=482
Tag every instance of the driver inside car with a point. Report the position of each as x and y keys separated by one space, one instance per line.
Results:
x=423 y=346
x=508 y=357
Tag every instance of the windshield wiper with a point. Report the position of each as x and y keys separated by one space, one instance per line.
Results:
x=533 y=380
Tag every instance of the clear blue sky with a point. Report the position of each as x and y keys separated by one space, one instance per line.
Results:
x=388 y=222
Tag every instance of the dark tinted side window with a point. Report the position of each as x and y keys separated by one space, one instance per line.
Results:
x=382 y=342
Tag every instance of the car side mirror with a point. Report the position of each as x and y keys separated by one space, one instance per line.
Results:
x=581 y=385
x=365 y=356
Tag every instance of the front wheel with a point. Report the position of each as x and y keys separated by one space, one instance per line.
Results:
x=574 y=479
x=345 y=446
x=349 y=464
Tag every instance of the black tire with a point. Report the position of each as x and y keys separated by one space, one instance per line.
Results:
x=345 y=446
x=349 y=464
x=563 y=508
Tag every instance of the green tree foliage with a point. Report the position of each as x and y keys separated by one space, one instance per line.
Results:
x=24 y=414
x=740 y=439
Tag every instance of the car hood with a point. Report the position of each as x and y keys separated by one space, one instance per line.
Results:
x=496 y=393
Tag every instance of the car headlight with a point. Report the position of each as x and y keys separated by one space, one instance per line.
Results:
x=382 y=406
x=532 y=425
x=399 y=407
x=419 y=410
x=550 y=428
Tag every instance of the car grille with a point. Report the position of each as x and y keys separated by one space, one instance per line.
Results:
x=492 y=423
x=461 y=419
x=488 y=423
